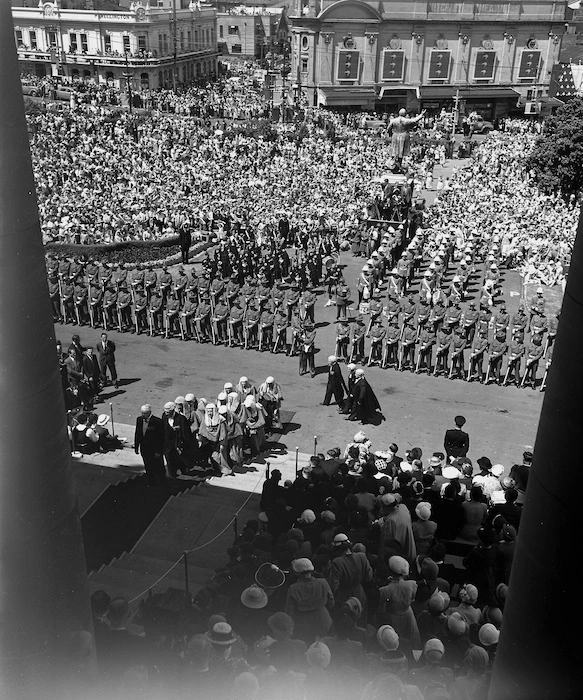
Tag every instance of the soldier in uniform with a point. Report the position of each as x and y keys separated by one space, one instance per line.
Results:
x=358 y=333
x=342 y=339
x=232 y=290
x=252 y=325
x=408 y=342
x=81 y=309
x=266 y=328
x=173 y=306
x=68 y=300
x=534 y=354
x=204 y=287
x=220 y=316
x=444 y=341
x=280 y=325
x=120 y=276
x=52 y=265
x=552 y=327
x=263 y=290
x=427 y=286
x=296 y=330
x=150 y=282
x=292 y=298
x=519 y=320
x=470 y=320
x=141 y=309
x=538 y=324
x=408 y=308
x=484 y=318
x=307 y=349
x=278 y=295
x=342 y=298
x=375 y=309
x=64 y=267
x=502 y=320
x=155 y=312
x=515 y=353
x=165 y=283
x=187 y=313
x=110 y=306
x=423 y=313
x=458 y=345
x=137 y=277
x=180 y=285
x=393 y=307
x=202 y=318
x=477 y=356
x=436 y=316
x=453 y=315
x=236 y=322
x=249 y=292
x=377 y=336
x=392 y=344
x=309 y=303
x=96 y=303
x=496 y=352
x=537 y=303
x=456 y=292
x=124 y=308
x=426 y=343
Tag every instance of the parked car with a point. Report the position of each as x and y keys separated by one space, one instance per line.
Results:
x=372 y=123
x=479 y=125
x=31 y=89
x=63 y=92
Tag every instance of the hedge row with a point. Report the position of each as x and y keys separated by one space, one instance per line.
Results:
x=152 y=253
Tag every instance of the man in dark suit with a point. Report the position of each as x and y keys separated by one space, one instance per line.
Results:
x=456 y=441
x=106 y=357
x=91 y=372
x=336 y=385
x=177 y=438
x=149 y=442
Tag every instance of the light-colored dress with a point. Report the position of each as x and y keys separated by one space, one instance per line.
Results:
x=395 y=609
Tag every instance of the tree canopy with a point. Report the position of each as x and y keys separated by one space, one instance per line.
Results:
x=557 y=157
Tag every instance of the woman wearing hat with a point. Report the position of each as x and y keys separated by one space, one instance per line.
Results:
x=308 y=602
x=395 y=602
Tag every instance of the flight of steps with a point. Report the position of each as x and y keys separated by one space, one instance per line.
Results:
x=188 y=520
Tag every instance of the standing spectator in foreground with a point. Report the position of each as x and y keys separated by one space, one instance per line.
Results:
x=106 y=358
x=149 y=442
x=308 y=602
x=457 y=442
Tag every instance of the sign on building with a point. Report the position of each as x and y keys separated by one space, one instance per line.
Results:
x=439 y=62
x=348 y=64
x=485 y=65
x=393 y=65
x=529 y=65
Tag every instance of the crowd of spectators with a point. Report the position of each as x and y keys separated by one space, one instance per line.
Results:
x=383 y=576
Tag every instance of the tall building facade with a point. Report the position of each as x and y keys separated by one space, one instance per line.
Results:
x=383 y=54
x=152 y=46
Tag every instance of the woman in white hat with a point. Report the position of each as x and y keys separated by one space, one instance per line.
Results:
x=395 y=602
x=308 y=602
x=253 y=419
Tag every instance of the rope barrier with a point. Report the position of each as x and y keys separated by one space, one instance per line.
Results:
x=196 y=549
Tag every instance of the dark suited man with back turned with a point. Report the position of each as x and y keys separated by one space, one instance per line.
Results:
x=456 y=441
x=336 y=385
x=149 y=442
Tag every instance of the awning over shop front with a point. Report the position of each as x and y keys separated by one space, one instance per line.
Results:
x=476 y=92
x=387 y=90
x=349 y=96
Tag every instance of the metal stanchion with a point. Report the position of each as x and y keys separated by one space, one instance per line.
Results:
x=111 y=417
x=297 y=457
x=315 y=444
x=186 y=586
x=267 y=471
x=236 y=528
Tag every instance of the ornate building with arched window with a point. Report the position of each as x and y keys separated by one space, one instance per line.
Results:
x=384 y=54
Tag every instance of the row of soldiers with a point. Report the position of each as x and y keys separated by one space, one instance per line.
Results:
x=253 y=315
x=416 y=330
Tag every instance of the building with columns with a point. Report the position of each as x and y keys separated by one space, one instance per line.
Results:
x=493 y=57
x=155 y=44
